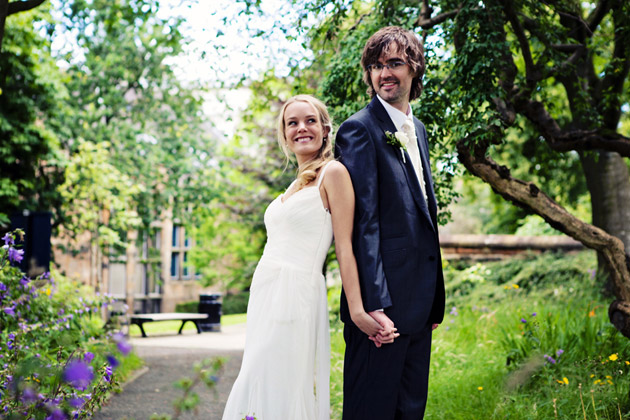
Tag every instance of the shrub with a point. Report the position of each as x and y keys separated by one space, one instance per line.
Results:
x=235 y=303
x=192 y=306
x=57 y=360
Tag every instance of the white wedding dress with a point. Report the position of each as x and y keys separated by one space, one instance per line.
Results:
x=285 y=372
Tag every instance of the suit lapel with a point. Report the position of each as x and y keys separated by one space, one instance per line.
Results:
x=426 y=169
x=387 y=124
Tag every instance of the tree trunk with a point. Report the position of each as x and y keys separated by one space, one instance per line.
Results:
x=609 y=185
x=4 y=11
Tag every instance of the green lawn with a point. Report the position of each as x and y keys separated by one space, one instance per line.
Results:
x=524 y=340
x=171 y=327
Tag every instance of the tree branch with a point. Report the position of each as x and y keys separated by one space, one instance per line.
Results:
x=596 y=17
x=22 y=6
x=563 y=141
x=531 y=71
x=529 y=196
x=425 y=21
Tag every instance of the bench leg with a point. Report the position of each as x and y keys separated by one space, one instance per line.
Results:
x=182 y=326
x=139 y=324
x=197 y=325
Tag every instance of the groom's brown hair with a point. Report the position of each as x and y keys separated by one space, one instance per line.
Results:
x=404 y=41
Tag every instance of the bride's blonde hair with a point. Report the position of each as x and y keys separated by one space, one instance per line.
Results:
x=308 y=171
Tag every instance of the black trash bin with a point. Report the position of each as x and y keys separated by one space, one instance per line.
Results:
x=210 y=304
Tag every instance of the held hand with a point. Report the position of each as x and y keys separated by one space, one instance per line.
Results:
x=366 y=323
x=388 y=333
x=434 y=326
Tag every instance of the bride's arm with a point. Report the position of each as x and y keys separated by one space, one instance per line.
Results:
x=340 y=196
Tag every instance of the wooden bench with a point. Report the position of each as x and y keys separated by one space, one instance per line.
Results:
x=140 y=319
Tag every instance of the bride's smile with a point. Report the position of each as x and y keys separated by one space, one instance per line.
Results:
x=303 y=130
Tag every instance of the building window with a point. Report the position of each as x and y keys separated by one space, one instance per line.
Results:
x=176 y=236
x=182 y=243
x=175 y=264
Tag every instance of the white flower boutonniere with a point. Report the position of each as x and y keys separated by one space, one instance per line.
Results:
x=400 y=140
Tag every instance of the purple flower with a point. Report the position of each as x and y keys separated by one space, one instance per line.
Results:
x=8 y=239
x=16 y=255
x=250 y=418
x=454 y=311
x=9 y=310
x=3 y=287
x=29 y=396
x=559 y=352
x=108 y=373
x=124 y=347
x=24 y=281
x=57 y=414
x=112 y=361
x=78 y=374
x=523 y=320
x=76 y=402
x=88 y=357
x=550 y=359
x=534 y=314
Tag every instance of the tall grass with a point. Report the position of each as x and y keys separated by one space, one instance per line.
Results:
x=522 y=339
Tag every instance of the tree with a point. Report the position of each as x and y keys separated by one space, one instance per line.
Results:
x=251 y=172
x=9 y=8
x=124 y=92
x=556 y=71
x=97 y=201
x=31 y=91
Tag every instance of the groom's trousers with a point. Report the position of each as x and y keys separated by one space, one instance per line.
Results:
x=387 y=383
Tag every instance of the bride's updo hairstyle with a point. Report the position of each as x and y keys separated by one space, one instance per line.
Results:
x=308 y=171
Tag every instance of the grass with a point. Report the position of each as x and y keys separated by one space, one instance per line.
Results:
x=488 y=359
x=171 y=327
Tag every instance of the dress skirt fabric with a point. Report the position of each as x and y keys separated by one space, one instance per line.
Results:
x=285 y=374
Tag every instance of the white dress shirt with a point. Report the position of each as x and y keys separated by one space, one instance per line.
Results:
x=404 y=122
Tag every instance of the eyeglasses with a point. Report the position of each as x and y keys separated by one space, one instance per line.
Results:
x=392 y=65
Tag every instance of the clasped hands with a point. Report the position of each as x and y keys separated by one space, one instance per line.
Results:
x=379 y=328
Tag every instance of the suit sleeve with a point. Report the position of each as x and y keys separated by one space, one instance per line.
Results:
x=356 y=150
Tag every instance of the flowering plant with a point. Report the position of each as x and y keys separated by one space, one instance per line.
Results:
x=398 y=139
x=56 y=360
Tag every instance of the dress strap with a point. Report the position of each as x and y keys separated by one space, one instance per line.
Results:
x=321 y=175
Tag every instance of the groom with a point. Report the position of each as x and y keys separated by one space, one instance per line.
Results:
x=395 y=236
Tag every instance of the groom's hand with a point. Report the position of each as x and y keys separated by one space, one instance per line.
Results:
x=388 y=333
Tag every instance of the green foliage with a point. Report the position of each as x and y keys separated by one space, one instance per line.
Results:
x=125 y=95
x=251 y=172
x=97 y=196
x=57 y=356
x=235 y=303
x=31 y=88
x=187 y=307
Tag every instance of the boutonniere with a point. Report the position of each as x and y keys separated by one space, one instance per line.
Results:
x=398 y=139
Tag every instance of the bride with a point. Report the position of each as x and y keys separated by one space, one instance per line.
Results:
x=286 y=362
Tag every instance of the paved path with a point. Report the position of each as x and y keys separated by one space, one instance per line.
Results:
x=170 y=358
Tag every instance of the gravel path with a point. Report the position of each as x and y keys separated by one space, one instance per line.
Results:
x=170 y=358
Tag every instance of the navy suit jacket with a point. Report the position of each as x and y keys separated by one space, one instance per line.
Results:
x=395 y=235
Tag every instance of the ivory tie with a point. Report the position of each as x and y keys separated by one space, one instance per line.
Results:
x=414 y=153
